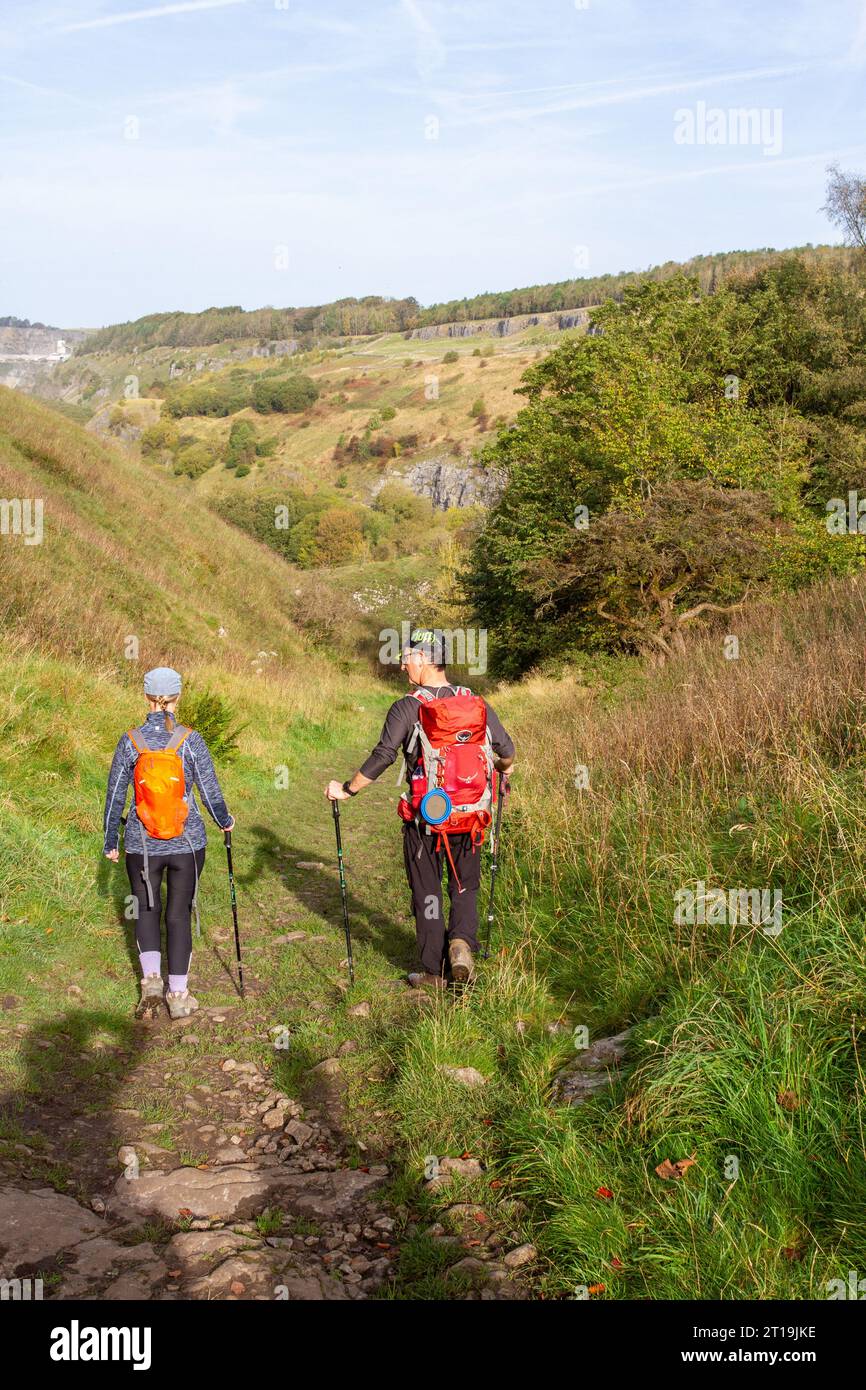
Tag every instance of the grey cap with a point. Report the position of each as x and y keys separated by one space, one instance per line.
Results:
x=162 y=680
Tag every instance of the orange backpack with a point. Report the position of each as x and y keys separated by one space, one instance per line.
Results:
x=160 y=787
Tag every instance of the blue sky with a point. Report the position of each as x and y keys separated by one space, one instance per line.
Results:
x=178 y=155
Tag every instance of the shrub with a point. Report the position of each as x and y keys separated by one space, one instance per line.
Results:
x=402 y=505
x=450 y=356
x=193 y=460
x=214 y=398
x=339 y=535
x=160 y=439
x=241 y=446
x=286 y=396
x=213 y=717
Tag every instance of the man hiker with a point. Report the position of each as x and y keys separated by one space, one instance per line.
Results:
x=450 y=752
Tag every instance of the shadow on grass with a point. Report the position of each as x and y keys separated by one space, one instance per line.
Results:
x=319 y=892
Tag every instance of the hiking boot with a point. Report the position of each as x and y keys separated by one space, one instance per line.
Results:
x=421 y=980
x=150 y=1004
x=462 y=964
x=180 y=1003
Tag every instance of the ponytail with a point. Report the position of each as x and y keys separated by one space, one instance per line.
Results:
x=164 y=701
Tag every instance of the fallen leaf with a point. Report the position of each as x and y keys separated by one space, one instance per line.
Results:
x=788 y=1100
x=496 y=1182
x=793 y=1252
x=674 y=1171
x=596 y=1288
x=382 y=1245
x=184 y=1211
x=479 y=1216
x=603 y=1192
x=617 y=1264
x=237 y=1287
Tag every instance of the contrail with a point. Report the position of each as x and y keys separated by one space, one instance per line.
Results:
x=184 y=7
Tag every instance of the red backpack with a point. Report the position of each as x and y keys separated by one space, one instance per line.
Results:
x=457 y=758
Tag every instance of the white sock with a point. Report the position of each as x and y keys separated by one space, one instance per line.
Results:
x=177 y=983
x=151 y=963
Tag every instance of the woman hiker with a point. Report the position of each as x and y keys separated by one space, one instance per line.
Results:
x=164 y=838
x=426 y=850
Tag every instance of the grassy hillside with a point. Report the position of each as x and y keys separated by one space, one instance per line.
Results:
x=735 y=774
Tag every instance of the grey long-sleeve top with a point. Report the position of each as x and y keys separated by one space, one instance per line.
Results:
x=198 y=771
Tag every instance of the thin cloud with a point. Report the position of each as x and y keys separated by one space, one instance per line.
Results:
x=857 y=52
x=44 y=91
x=157 y=12
x=632 y=94
x=431 y=51
x=708 y=171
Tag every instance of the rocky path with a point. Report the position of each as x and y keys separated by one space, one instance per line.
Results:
x=271 y=1211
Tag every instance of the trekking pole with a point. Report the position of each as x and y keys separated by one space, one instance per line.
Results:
x=494 y=866
x=336 y=809
x=228 y=840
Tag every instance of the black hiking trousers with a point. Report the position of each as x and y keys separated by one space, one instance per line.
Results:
x=179 y=871
x=424 y=865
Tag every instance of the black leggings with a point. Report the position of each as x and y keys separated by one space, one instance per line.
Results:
x=180 y=876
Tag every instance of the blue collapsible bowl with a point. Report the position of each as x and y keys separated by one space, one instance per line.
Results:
x=436 y=806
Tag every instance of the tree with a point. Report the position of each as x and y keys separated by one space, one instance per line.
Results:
x=754 y=389
x=647 y=574
x=846 y=205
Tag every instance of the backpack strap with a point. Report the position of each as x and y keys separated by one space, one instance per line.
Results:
x=130 y=734
x=177 y=738
x=421 y=696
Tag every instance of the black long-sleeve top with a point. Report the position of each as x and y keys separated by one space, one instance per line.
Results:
x=399 y=727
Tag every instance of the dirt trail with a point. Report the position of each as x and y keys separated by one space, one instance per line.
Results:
x=188 y=1172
